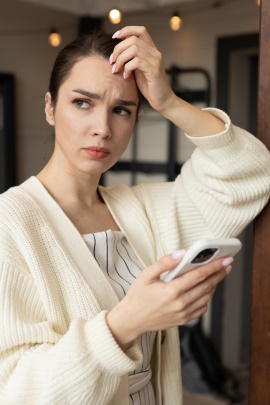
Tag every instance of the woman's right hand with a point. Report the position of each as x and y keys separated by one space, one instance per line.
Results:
x=152 y=304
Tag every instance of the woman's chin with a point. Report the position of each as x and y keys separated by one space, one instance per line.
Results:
x=96 y=168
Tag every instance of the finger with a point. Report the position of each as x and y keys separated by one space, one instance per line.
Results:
x=192 y=278
x=138 y=31
x=137 y=63
x=165 y=263
x=200 y=294
x=193 y=305
x=127 y=43
x=195 y=315
x=129 y=54
x=210 y=283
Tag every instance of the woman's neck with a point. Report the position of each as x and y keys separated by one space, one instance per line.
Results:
x=63 y=183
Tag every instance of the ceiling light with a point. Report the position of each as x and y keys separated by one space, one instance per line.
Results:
x=175 y=22
x=54 y=38
x=115 y=16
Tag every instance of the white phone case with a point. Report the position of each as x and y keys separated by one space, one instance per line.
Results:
x=202 y=252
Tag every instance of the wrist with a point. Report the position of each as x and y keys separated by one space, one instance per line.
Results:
x=171 y=102
x=192 y=120
x=121 y=326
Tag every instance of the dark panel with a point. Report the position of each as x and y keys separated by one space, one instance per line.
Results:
x=144 y=167
x=8 y=158
x=253 y=95
x=225 y=46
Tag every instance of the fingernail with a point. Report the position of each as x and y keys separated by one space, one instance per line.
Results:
x=178 y=254
x=228 y=269
x=111 y=58
x=124 y=75
x=115 y=35
x=227 y=261
x=113 y=68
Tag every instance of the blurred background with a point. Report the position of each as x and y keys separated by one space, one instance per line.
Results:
x=210 y=52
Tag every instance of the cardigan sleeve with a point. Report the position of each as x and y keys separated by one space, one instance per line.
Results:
x=41 y=365
x=221 y=188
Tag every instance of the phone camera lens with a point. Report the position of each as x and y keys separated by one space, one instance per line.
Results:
x=204 y=255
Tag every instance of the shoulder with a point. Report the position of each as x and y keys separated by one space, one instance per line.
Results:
x=20 y=216
x=16 y=204
x=21 y=224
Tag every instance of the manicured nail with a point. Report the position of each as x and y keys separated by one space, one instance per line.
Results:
x=228 y=269
x=111 y=58
x=124 y=75
x=115 y=35
x=113 y=68
x=178 y=254
x=227 y=261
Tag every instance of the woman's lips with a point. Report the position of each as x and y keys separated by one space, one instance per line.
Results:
x=97 y=152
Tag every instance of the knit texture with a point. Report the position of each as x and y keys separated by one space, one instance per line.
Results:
x=55 y=345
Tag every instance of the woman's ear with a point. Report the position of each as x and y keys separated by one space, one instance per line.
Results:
x=49 y=109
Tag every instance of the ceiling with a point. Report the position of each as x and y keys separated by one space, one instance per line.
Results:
x=100 y=8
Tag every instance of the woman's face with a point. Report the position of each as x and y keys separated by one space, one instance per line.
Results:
x=93 y=118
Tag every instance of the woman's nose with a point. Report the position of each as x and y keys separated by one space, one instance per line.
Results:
x=102 y=125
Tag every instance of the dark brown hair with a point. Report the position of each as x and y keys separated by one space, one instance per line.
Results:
x=97 y=43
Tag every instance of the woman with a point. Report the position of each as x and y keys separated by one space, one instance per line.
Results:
x=80 y=321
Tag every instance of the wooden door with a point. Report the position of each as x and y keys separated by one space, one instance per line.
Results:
x=259 y=376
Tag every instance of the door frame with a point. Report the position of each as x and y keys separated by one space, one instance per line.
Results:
x=259 y=375
x=225 y=47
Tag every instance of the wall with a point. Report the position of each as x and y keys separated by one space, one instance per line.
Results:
x=30 y=58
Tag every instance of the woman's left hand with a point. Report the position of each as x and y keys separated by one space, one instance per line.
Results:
x=137 y=53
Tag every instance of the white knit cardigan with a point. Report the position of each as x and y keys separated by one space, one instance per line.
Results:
x=55 y=346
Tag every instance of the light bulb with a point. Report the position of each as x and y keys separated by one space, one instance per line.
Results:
x=175 y=22
x=54 y=38
x=115 y=16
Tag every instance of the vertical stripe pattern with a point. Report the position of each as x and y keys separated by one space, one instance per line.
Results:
x=121 y=267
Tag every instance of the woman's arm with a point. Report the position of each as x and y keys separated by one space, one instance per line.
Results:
x=224 y=185
x=138 y=54
x=42 y=362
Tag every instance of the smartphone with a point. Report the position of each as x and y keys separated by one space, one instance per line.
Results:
x=203 y=252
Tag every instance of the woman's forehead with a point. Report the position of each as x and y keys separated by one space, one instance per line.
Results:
x=94 y=74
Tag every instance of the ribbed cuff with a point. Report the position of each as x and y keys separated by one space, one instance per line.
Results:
x=107 y=352
x=219 y=139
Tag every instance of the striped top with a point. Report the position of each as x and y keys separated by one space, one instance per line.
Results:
x=121 y=267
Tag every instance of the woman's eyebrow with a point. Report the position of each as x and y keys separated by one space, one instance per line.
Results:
x=98 y=97
x=87 y=94
x=126 y=102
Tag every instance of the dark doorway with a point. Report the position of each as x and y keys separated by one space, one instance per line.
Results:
x=237 y=77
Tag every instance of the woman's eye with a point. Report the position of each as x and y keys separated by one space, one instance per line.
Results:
x=121 y=111
x=81 y=103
